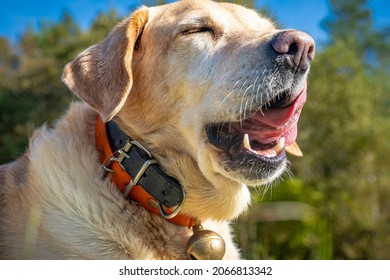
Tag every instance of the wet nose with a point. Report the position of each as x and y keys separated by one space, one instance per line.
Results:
x=297 y=48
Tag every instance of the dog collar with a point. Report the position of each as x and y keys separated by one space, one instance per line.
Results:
x=138 y=175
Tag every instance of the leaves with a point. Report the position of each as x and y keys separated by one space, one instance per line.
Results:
x=31 y=91
x=344 y=174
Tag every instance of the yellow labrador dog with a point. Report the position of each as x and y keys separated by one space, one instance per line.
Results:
x=184 y=106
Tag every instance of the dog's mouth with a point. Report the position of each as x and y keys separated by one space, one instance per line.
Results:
x=259 y=142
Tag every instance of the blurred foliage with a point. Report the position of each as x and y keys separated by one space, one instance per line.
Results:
x=337 y=204
x=354 y=19
x=343 y=179
x=31 y=91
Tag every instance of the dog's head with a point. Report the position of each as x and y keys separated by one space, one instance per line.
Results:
x=214 y=87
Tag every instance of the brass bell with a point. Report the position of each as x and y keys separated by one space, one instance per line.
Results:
x=205 y=244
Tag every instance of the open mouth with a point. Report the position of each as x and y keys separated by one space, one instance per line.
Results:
x=264 y=136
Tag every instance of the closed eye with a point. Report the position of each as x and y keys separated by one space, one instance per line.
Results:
x=195 y=30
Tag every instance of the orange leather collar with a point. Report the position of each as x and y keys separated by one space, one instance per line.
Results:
x=121 y=178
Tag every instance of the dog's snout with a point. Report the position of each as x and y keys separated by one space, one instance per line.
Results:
x=297 y=47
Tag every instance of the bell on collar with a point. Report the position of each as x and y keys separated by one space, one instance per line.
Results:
x=205 y=244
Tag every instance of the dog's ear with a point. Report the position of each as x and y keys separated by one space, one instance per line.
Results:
x=102 y=75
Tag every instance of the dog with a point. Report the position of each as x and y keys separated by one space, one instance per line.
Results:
x=184 y=107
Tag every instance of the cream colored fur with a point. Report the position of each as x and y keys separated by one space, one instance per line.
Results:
x=58 y=207
x=155 y=82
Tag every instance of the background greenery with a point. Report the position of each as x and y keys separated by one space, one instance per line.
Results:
x=337 y=203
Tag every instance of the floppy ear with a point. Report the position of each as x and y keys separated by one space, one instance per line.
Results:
x=102 y=75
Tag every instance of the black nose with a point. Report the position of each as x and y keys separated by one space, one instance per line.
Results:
x=297 y=47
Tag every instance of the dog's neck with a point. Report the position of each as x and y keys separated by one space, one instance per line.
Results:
x=138 y=175
x=214 y=198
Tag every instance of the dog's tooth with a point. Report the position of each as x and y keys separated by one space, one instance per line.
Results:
x=279 y=147
x=246 y=143
x=294 y=150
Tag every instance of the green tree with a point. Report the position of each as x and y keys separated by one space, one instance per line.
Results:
x=345 y=157
x=353 y=18
x=342 y=181
x=31 y=91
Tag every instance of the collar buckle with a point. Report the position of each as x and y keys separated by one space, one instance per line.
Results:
x=118 y=159
x=128 y=165
x=138 y=176
x=122 y=156
x=174 y=212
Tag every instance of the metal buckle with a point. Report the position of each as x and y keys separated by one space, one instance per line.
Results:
x=106 y=166
x=133 y=142
x=120 y=158
x=176 y=211
x=137 y=177
x=123 y=154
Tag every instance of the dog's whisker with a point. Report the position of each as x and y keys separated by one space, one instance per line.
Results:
x=251 y=103
x=201 y=83
x=254 y=83
x=241 y=103
x=261 y=86
x=246 y=104
x=228 y=72
x=226 y=98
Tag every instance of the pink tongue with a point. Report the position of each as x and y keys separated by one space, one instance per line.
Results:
x=278 y=118
x=272 y=124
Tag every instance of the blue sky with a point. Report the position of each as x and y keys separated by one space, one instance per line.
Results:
x=305 y=15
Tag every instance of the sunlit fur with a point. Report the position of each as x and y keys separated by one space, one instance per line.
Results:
x=162 y=81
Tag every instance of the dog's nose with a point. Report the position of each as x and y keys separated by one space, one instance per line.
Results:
x=297 y=47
